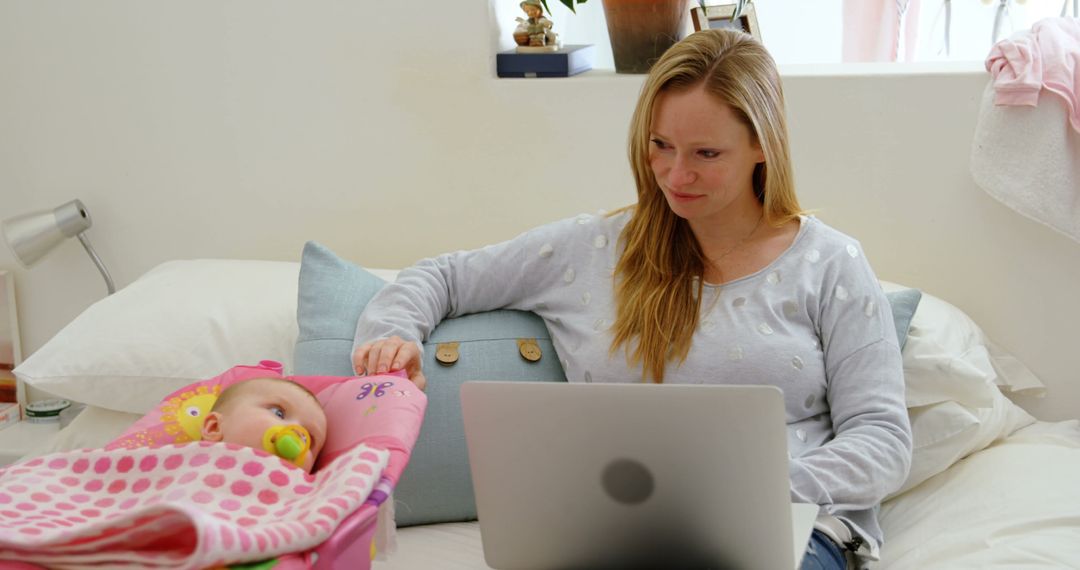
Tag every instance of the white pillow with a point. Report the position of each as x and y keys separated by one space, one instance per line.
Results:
x=949 y=431
x=943 y=339
x=954 y=377
x=181 y=322
x=388 y=275
x=92 y=428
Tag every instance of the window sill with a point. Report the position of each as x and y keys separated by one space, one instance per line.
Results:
x=882 y=69
x=801 y=70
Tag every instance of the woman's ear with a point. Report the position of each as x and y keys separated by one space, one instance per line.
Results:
x=211 y=428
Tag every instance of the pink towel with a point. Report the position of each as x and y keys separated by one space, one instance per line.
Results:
x=1046 y=57
x=184 y=506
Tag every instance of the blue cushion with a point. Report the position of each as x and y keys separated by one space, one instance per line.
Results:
x=436 y=486
x=903 y=304
x=332 y=293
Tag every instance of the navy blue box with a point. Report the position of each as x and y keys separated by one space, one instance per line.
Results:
x=569 y=60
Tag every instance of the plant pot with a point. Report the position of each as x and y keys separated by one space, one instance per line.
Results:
x=642 y=30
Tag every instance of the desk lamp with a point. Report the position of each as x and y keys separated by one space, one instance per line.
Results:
x=33 y=235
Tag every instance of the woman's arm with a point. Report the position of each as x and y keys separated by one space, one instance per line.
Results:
x=512 y=274
x=870 y=453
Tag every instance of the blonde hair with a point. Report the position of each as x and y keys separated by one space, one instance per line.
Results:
x=659 y=276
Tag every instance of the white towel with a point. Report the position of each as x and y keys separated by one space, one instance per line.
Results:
x=1028 y=158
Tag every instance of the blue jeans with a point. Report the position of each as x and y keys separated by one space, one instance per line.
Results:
x=823 y=554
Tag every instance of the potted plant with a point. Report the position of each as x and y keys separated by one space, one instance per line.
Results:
x=568 y=3
x=640 y=31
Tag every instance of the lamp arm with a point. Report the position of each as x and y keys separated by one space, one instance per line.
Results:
x=97 y=261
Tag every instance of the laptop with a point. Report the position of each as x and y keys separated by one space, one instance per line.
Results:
x=632 y=476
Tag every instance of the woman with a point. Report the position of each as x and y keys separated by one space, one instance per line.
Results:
x=714 y=276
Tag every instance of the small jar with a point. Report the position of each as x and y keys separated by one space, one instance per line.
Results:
x=46 y=411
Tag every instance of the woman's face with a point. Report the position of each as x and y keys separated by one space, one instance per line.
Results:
x=703 y=156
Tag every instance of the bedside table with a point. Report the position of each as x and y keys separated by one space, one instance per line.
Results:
x=24 y=437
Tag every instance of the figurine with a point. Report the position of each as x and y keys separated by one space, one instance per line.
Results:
x=535 y=32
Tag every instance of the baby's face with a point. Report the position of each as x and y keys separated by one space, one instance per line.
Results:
x=264 y=404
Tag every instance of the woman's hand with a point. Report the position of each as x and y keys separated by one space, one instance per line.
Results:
x=388 y=354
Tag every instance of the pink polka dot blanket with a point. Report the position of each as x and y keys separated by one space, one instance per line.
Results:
x=157 y=497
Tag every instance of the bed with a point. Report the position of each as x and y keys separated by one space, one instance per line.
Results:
x=991 y=486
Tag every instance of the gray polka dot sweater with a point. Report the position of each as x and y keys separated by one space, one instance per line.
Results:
x=815 y=322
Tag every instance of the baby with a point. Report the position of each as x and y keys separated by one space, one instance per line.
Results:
x=273 y=414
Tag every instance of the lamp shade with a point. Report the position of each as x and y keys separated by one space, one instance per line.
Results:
x=33 y=235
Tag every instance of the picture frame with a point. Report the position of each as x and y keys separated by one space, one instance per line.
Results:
x=11 y=390
x=723 y=16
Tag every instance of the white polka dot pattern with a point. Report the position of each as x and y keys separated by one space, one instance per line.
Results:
x=600 y=241
x=852 y=250
x=217 y=502
x=568 y=276
x=546 y=250
x=840 y=293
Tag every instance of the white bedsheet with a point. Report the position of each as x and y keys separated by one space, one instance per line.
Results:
x=1012 y=505
x=1015 y=504
x=447 y=546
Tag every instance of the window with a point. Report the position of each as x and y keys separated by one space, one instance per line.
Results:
x=813 y=31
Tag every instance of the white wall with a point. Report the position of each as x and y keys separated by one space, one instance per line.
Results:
x=240 y=129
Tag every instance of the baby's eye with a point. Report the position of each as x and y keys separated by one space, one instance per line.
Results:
x=659 y=144
x=709 y=153
x=277 y=411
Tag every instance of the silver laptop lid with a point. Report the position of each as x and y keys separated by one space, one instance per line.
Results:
x=629 y=475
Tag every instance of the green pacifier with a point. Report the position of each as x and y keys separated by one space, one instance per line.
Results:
x=290 y=442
